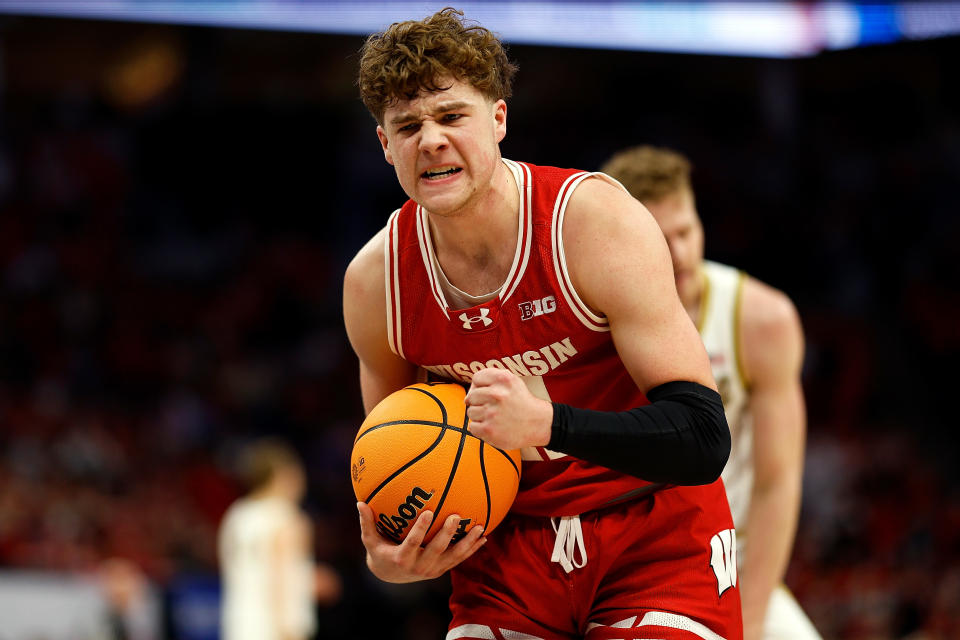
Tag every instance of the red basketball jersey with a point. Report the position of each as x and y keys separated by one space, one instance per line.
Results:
x=537 y=327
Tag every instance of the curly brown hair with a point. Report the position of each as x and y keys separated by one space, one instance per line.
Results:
x=649 y=173
x=418 y=55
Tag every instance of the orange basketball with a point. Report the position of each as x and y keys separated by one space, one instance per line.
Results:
x=414 y=452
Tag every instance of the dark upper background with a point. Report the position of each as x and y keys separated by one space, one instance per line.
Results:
x=177 y=207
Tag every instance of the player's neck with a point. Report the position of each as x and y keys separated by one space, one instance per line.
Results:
x=475 y=247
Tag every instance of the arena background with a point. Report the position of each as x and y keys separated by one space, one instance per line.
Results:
x=177 y=207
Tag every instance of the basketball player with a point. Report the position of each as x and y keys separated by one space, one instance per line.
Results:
x=550 y=291
x=755 y=342
x=269 y=580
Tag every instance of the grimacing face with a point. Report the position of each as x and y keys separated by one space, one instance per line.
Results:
x=676 y=214
x=444 y=145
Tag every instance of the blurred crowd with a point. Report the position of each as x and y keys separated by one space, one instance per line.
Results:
x=170 y=265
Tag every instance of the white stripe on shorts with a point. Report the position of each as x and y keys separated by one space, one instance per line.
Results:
x=664 y=619
x=485 y=633
x=471 y=631
x=516 y=635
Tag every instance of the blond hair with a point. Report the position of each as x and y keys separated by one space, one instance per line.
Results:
x=649 y=173
x=417 y=55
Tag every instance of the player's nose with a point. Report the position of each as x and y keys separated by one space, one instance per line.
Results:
x=432 y=138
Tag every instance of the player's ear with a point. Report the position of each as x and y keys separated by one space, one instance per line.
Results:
x=500 y=118
x=385 y=144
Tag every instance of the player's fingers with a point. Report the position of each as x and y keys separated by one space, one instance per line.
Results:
x=368 y=530
x=471 y=538
x=477 y=396
x=468 y=546
x=441 y=540
x=476 y=414
x=488 y=377
x=411 y=544
x=480 y=379
x=489 y=396
x=471 y=546
x=366 y=517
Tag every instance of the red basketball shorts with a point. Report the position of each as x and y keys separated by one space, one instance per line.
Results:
x=663 y=566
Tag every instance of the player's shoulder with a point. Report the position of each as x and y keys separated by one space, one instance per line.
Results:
x=763 y=304
x=593 y=191
x=600 y=203
x=370 y=254
x=599 y=189
x=769 y=321
x=235 y=513
x=605 y=230
x=365 y=272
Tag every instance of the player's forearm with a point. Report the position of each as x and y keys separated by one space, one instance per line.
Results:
x=771 y=525
x=680 y=438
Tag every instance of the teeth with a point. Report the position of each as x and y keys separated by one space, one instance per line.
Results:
x=440 y=171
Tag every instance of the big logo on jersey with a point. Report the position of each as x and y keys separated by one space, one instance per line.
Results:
x=470 y=321
x=534 y=308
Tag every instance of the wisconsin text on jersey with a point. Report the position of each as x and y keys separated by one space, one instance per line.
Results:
x=528 y=363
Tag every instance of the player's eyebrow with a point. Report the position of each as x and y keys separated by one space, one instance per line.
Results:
x=442 y=107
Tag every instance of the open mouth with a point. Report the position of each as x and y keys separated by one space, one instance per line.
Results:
x=439 y=173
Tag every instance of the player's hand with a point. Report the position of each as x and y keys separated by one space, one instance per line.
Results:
x=504 y=413
x=408 y=561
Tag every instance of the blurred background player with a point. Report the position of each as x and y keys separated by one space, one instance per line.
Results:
x=755 y=342
x=270 y=581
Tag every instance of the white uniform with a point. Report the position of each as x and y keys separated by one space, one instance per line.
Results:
x=246 y=539
x=719 y=317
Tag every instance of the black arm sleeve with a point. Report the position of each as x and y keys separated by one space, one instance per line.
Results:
x=680 y=438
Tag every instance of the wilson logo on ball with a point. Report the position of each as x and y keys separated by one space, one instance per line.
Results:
x=392 y=526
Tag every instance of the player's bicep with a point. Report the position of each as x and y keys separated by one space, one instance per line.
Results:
x=779 y=433
x=772 y=341
x=621 y=267
x=658 y=342
x=364 y=315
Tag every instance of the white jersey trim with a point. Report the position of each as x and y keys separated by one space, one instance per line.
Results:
x=392 y=284
x=521 y=173
x=587 y=317
x=429 y=260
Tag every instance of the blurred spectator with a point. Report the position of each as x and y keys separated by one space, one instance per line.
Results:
x=270 y=581
x=130 y=614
